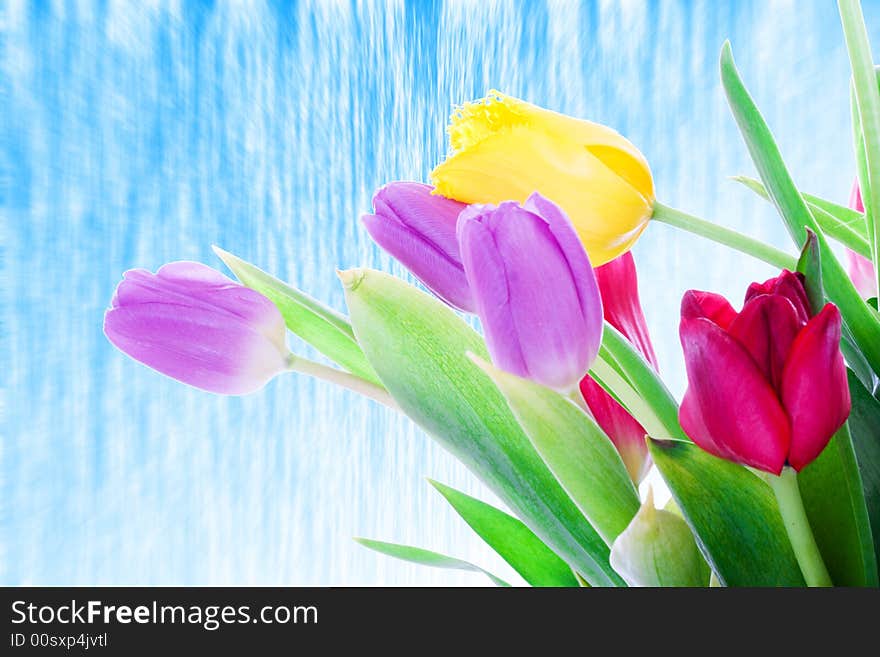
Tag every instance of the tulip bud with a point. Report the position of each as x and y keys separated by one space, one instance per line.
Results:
x=766 y=387
x=504 y=149
x=658 y=549
x=195 y=325
x=418 y=229
x=618 y=285
x=861 y=270
x=534 y=289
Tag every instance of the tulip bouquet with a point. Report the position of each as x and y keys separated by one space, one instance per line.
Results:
x=773 y=455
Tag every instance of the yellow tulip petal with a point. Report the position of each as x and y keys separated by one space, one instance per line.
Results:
x=606 y=210
x=505 y=148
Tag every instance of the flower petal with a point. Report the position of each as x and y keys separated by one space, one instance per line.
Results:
x=441 y=274
x=582 y=275
x=619 y=287
x=789 y=285
x=194 y=285
x=814 y=387
x=430 y=216
x=487 y=277
x=767 y=327
x=197 y=346
x=627 y=435
x=861 y=271
x=525 y=295
x=606 y=210
x=730 y=409
x=708 y=305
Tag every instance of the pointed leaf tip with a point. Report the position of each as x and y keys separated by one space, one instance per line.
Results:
x=665 y=443
x=726 y=50
x=351 y=278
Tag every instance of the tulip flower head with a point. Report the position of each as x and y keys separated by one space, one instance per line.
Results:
x=504 y=149
x=534 y=289
x=861 y=270
x=418 y=229
x=767 y=386
x=618 y=286
x=192 y=323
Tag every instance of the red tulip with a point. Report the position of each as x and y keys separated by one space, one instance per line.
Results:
x=767 y=386
x=618 y=285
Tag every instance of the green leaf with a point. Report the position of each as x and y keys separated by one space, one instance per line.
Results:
x=864 y=426
x=836 y=221
x=658 y=549
x=618 y=354
x=511 y=539
x=426 y=558
x=831 y=489
x=830 y=486
x=866 y=117
x=732 y=513
x=417 y=346
x=576 y=450
x=859 y=318
x=810 y=265
x=322 y=327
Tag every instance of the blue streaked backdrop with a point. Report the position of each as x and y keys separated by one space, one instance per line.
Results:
x=135 y=133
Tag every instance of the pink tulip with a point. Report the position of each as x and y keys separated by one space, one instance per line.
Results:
x=861 y=270
x=195 y=325
x=618 y=286
x=418 y=229
x=534 y=289
x=767 y=386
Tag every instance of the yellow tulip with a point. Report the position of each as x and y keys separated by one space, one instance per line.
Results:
x=504 y=149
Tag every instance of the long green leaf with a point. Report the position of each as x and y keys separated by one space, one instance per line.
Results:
x=417 y=346
x=861 y=320
x=576 y=450
x=426 y=558
x=732 y=513
x=866 y=117
x=511 y=539
x=322 y=327
x=864 y=424
x=836 y=221
x=831 y=486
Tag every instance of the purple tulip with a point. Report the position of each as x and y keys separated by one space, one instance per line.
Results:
x=418 y=229
x=195 y=325
x=535 y=291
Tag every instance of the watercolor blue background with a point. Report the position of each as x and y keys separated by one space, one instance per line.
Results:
x=138 y=133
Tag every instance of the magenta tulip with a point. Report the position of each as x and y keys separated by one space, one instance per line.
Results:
x=418 y=229
x=618 y=285
x=195 y=325
x=767 y=386
x=861 y=270
x=535 y=291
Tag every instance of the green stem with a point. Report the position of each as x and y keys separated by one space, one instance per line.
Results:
x=340 y=378
x=791 y=506
x=868 y=105
x=722 y=235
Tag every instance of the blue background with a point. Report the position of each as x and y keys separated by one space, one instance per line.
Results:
x=138 y=133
